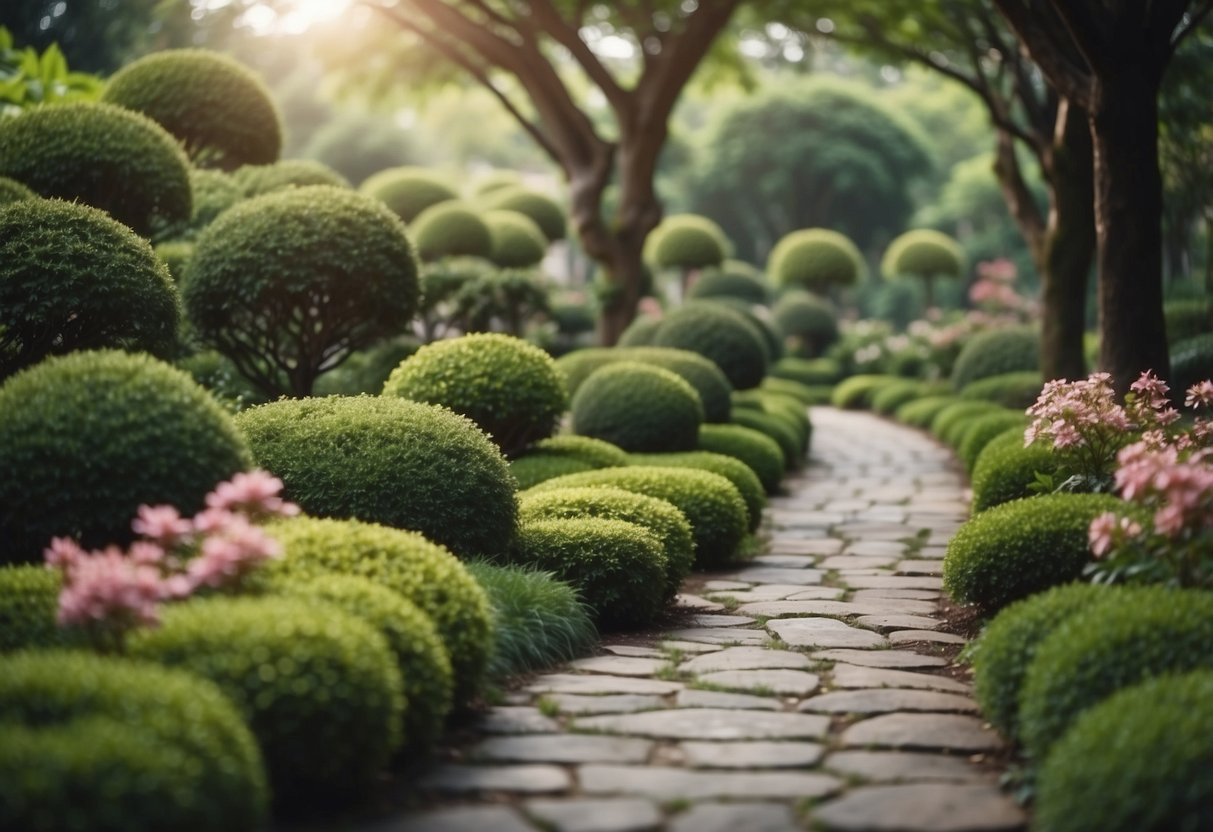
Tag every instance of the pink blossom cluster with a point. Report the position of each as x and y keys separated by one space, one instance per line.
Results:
x=994 y=291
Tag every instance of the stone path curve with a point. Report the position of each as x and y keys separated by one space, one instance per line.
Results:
x=806 y=693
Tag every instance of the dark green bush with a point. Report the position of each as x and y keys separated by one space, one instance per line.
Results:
x=544 y=211
x=450 y=229
x=72 y=279
x=995 y=353
x=732 y=279
x=175 y=254
x=785 y=415
x=807 y=322
x=638 y=407
x=214 y=192
x=921 y=412
x=1017 y=390
x=801 y=393
x=757 y=450
x=391 y=461
x=220 y=111
x=1021 y=547
x=812 y=372
x=856 y=392
x=981 y=430
x=618 y=568
x=950 y=423
x=55 y=778
x=760 y=322
x=221 y=379
x=318 y=687
x=532 y=469
x=1187 y=318
x=104 y=156
x=517 y=241
x=640 y=332
x=893 y=395
x=576 y=366
x=510 y=388
x=699 y=372
x=816 y=259
x=13 y=191
x=325 y=255
x=562 y=455
x=790 y=442
x=1191 y=361
x=1130 y=638
x=1005 y=470
x=688 y=241
x=734 y=470
x=660 y=517
x=721 y=335
x=258 y=180
x=408 y=191
x=1140 y=759
x=29 y=597
x=422 y=572
x=87 y=438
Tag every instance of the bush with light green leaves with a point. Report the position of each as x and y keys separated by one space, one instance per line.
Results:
x=517 y=241
x=920 y=413
x=732 y=279
x=720 y=334
x=408 y=191
x=544 y=211
x=1005 y=470
x=29 y=600
x=816 y=259
x=760 y=452
x=950 y=423
x=13 y=191
x=255 y=180
x=564 y=454
x=807 y=322
x=1016 y=390
x=638 y=407
x=925 y=254
x=856 y=392
x=688 y=241
x=734 y=470
x=813 y=372
x=450 y=229
x=982 y=430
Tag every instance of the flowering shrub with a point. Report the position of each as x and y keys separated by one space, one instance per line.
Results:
x=994 y=294
x=110 y=591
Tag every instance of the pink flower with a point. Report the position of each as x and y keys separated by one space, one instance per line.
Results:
x=231 y=553
x=1200 y=394
x=62 y=553
x=255 y=492
x=162 y=524
x=1101 y=532
x=109 y=585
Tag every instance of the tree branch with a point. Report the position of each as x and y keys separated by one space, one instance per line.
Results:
x=570 y=38
x=1071 y=80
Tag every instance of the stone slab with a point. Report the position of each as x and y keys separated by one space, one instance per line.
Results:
x=853 y=676
x=887 y=700
x=589 y=815
x=912 y=636
x=717 y=620
x=902 y=766
x=894 y=582
x=523 y=779
x=858 y=562
x=891 y=659
x=793 y=606
x=777 y=575
x=616 y=703
x=925 y=732
x=712 y=587
x=736 y=817
x=876 y=548
x=662 y=783
x=458 y=819
x=895 y=594
x=751 y=755
x=592 y=683
x=919 y=567
x=922 y=807
x=620 y=665
x=780 y=682
x=695 y=602
x=695 y=647
x=562 y=748
x=824 y=632
x=745 y=658
x=799 y=546
x=778 y=592
x=719 y=635
x=710 y=724
x=515 y=719
x=785 y=560
x=887 y=623
x=691 y=698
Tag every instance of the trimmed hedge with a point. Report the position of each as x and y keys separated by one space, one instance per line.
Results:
x=920 y=413
x=701 y=373
x=757 y=450
x=565 y=454
x=892 y=396
x=856 y=392
x=923 y=253
x=1018 y=390
x=531 y=469
x=732 y=279
x=257 y=180
x=721 y=335
x=544 y=211
x=814 y=372
x=807 y=322
x=391 y=461
x=734 y=470
x=87 y=438
x=640 y=332
x=1005 y=470
x=450 y=229
x=29 y=599
x=981 y=430
x=1186 y=318
x=801 y=393
x=577 y=365
x=950 y=423
x=688 y=241
x=790 y=440
x=638 y=407
x=517 y=241
x=996 y=352
x=13 y=191
x=815 y=259
x=407 y=191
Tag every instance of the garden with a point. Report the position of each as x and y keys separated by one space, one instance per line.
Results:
x=374 y=374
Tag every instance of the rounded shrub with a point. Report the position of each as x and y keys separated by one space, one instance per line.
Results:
x=87 y=438
x=531 y=469
x=638 y=407
x=424 y=573
x=1191 y=361
x=565 y=454
x=1018 y=390
x=701 y=373
x=760 y=321
x=983 y=428
x=542 y=210
x=815 y=259
x=576 y=366
x=64 y=775
x=856 y=392
x=318 y=687
x=921 y=412
x=72 y=279
x=710 y=502
x=450 y=229
x=923 y=253
x=1005 y=470
x=790 y=442
x=13 y=191
x=757 y=450
x=734 y=470
x=214 y=192
x=786 y=415
x=688 y=241
x=390 y=461
x=732 y=279
x=802 y=394
x=408 y=191
x=220 y=111
x=1130 y=638
x=807 y=322
x=950 y=423
x=104 y=156
x=29 y=597
x=1021 y=547
x=640 y=332
x=517 y=241
x=618 y=568
x=815 y=372
x=893 y=395
x=323 y=255
x=1140 y=759
x=660 y=517
x=256 y=180
x=721 y=335
x=510 y=388
x=175 y=254
x=995 y=353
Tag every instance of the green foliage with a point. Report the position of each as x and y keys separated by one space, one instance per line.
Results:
x=856 y=392
x=318 y=687
x=1191 y=361
x=711 y=503
x=618 y=568
x=1144 y=633
x=1140 y=759
x=1187 y=318
x=816 y=259
x=28 y=79
x=996 y=352
x=423 y=572
x=366 y=371
x=29 y=597
x=391 y=461
x=734 y=470
x=13 y=191
x=1005 y=470
x=1015 y=390
x=788 y=389
x=531 y=469
x=500 y=299
x=214 y=192
x=87 y=438
x=790 y=442
x=757 y=450
x=721 y=335
x=219 y=110
x=539 y=621
x=816 y=372
x=950 y=423
x=221 y=379
x=408 y=191
x=924 y=254
x=544 y=211
x=450 y=229
x=687 y=241
x=732 y=279
x=808 y=323
x=73 y=279
x=325 y=256
x=175 y=254
x=640 y=332
x=981 y=430
x=638 y=407
x=256 y=180
x=517 y=241
x=921 y=412
x=187 y=758
x=104 y=156
x=700 y=372
x=565 y=454
x=509 y=388
x=360 y=145
x=1021 y=547
x=892 y=396
x=576 y=366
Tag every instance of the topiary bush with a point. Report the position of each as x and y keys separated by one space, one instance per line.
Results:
x=390 y=461
x=29 y=598
x=510 y=388
x=544 y=211
x=408 y=191
x=802 y=394
x=1140 y=759
x=921 y=412
x=1191 y=361
x=688 y=241
x=220 y=111
x=701 y=373
x=1005 y=470
x=175 y=254
x=926 y=255
x=994 y=353
x=640 y=332
x=1017 y=390
x=981 y=430
x=13 y=191
x=889 y=398
x=856 y=392
x=790 y=442
x=214 y=192
x=104 y=156
x=732 y=279
x=531 y=469
x=815 y=372
x=190 y=761
x=807 y=322
x=950 y=423
x=618 y=568
x=517 y=241
x=758 y=451
x=576 y=366
x=721 y=335
x=450 y=229
x=72 y=279
x=562 y=455
x=638 y=407
x=816 y=259
x=760 y=321
x=87 y=438
x=1022 y=547
x=256 y=180
x=734 y=470
x=318 y=687
x=323 y=255
x=1109 y=646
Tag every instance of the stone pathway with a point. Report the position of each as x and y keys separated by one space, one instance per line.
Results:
x=806 y=692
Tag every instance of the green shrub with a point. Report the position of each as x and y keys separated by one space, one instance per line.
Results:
x=814 y=372
x=893 y=395
x=257 y=180
x=800 y=393
x=1187 y=318
x=422 y=572
x=699 y=372
x=13 y=191
x=366 y=371
x=531 y=469
x=1140 y=759
x=72 y=279
x=360 y=144
x=576 y=366
x=517 y=241
x=1004 y=651
x=757 y=450
x=220 y=111
x=856 y=392
x=1005 y=470
x=425 y=667
x=785 y=413
x=721 y=335
x=544 y=211
x=734 y=470
x=950 y=423
x=1144 y=633
x=760 y=321
x=1021 y=547
x=318 y=687
x=1017 y=390
x=923 y=253
x=562 y=455
x=104 y=156
x=711 y=503
x=995 y=353
x=732 y=279
x=618 y=568
x=978 y=433
x=221 y=379
x=921 y=412
x=1191 y=361
x=807 y=322
x=63 y=774
x=214 y=192
x=638 y=407
x=29 y=597
x=408 y=191
x=175 y=254
x=390 y=461
x=87 y=438
x=790 y=442
x=510 y=388
x=688 y=241
x=660 y=517
x=538 y=620
x=450 y=229
x=641 y=332
x=816 y=259
x=325 y=255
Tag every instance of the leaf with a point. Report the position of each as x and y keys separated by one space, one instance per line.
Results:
x=54 y=65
